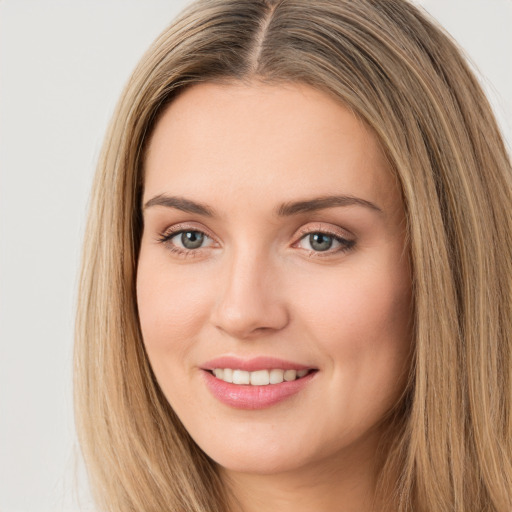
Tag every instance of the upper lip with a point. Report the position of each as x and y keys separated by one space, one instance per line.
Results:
x=253 y=364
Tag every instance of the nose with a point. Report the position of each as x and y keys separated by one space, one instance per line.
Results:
x=250 y=302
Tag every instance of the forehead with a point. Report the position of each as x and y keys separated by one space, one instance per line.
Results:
x=264 y=143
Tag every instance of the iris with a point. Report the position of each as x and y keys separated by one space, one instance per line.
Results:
x=320 y=241
x=192 y=239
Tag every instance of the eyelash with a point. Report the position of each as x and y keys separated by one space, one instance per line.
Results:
x=345 y=244
x=166 y=237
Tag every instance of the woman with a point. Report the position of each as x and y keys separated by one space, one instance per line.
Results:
x=297 y=281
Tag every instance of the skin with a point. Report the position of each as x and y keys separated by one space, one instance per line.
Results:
x=257 y=287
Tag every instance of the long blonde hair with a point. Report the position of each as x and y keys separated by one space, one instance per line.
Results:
x=450 y=446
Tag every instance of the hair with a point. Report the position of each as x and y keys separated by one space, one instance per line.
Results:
x=450 y=440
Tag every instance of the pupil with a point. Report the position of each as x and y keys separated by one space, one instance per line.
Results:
x=192 y=239
x=320 y=242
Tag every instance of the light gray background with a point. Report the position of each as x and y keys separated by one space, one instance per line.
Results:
x=62 y=67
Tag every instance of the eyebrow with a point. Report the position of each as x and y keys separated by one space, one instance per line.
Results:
x=320 y=203
x=284 y=210
x=180 y=203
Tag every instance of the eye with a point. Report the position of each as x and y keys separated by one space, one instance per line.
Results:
x=318 y=242
x=189 y=239
x=186 y=240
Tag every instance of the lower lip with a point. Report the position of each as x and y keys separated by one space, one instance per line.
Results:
x=242 y=396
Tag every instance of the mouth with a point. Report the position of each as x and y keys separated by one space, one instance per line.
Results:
x=259 y=377
x=257 y=383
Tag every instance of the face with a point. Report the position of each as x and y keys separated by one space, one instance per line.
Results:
x=273 y=282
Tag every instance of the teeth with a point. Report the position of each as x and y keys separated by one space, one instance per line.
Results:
x=259 y=377
x=276 y=376
x=241 y=377
x=290 y=375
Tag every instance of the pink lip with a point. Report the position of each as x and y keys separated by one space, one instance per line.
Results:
x=253 y=397
x=252 y=365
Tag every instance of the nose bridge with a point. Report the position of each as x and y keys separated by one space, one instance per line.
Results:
x=249 y=300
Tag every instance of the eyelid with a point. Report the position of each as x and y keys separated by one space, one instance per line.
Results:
x=170 y=232
x=328 y=229
x=175 y=229
x=346 y=243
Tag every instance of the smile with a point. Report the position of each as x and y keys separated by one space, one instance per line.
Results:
x=259 y=377
x=256 y=383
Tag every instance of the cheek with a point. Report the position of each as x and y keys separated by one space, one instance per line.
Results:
x=365 y=331
x=362 y=321
x=171 y=307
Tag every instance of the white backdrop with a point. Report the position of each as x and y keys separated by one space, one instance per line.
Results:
x=63 y=64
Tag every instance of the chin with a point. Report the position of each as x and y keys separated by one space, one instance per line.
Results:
x=251 y=451
x=260 y=463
